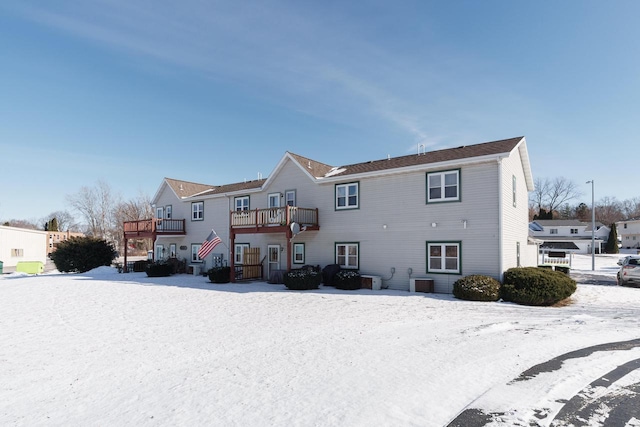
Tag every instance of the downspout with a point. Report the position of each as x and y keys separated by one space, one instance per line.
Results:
x=500 y=220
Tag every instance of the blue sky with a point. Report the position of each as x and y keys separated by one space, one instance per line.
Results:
x=215 y=92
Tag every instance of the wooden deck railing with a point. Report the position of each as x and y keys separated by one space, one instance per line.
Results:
x=274 y=216
x=154 y=225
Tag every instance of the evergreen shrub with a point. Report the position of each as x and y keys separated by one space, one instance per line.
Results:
x=347 y=280
x=301 y=280
x=80 y=254
x=159 y=269
x=219 y=274
x=477 y=288
x=536 y=286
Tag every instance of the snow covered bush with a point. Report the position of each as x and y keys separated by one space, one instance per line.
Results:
x=536 y=286
x=347 y=280
x=80 y=254
x=300 y=280
x=477 y=288
x=219 y=274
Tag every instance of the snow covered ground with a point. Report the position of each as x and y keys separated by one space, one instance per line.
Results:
x=103 y=348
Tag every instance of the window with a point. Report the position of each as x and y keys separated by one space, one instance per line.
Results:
x=167 y=212
x=625 y=226
x=443 y=257
x=347 y=255
x=159 y=252
x=197 y=211
x=238 y=253
x=195 y=247
x=347 y=196
x=290 y=198
x=574 y=231
x=298 y=253
x=242 y=203
x=17 y=252
x=274 y=200
x=513 y=189
x=172 y=250
x=443 y=186
x=159 y=213
x=553 y=231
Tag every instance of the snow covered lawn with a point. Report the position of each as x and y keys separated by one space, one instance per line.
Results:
x=103 y=348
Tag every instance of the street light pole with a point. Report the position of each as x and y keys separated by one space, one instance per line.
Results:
x=593 y=228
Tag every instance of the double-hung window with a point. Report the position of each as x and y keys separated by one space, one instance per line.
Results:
x=290 y=198
x=197 y=211
x=241 y=203
x=298 y=253
x=443 y=186
x=347 y=196
x=443 y=257
x=347 y=255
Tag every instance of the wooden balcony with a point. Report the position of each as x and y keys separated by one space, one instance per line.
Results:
x=153 y=227
x=271 y=220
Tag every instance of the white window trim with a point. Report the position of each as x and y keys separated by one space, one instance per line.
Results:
x=237 y=253
x=443 y=197
x=346 y=196
x=287 y=198
x=195 y=248
x=273 y=200
x=195 y=212
x=347 y=245
x=443 y=258
x=243 y=207
x=295 y=253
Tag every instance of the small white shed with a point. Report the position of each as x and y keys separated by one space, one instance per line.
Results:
x=22 y=244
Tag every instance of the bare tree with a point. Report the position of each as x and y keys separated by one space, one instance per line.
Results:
x=133 y=210
x=21 y=223
x=552 y=194
x=95 y=205
x=66 y=221
x=609 y=210
x=631 y=208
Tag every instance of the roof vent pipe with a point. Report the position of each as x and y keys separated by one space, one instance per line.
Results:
x=422 y=149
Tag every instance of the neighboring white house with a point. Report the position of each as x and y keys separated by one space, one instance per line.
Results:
x=629 y=233
x=440 y=215
x=569 y=235
x=22 y=244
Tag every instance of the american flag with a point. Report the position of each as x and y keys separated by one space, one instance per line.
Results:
x=208 y=245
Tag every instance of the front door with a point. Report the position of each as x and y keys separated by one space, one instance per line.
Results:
x=273 y=254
